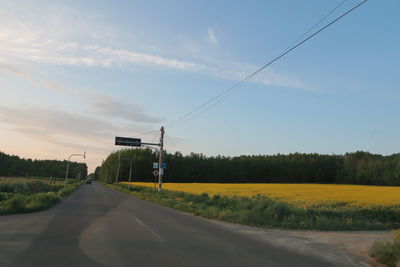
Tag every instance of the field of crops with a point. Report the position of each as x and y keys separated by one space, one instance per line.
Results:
x=298 y=194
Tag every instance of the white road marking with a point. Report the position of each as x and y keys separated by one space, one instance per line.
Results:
x=149 y=229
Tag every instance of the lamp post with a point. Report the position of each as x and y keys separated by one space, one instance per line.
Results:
x=69 y=158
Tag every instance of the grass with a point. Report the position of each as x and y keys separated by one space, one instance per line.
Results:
x=23 y=197
x=31 y=178
x=300 y=195
x=388 y=252
x=262 y=211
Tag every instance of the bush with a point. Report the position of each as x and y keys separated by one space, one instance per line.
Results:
x=388 y=252
x=31 y=196
x=28 y=187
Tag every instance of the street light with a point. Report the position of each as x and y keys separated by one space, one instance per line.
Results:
x=80 y=155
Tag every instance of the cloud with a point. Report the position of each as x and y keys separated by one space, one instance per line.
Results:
x=100 y=104
x=81 y=44
x=237 y=71
x=31 y=79
x=66 y=131
x=55 y=121
x=211 y=38
x=114 y=108
x=23 y=43
x=48 y=51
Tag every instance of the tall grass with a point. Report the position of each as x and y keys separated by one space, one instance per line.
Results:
x=388 y=252
x=31 y=196
x=264 y=212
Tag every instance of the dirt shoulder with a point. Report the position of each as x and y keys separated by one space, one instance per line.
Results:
x=341 y=248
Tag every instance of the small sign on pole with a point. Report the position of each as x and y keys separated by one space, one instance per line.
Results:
x=155 y=173
x=163 y=165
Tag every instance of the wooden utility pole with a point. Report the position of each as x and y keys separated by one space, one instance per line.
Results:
x=119 y=163
x=130 y=173
x=160 y=169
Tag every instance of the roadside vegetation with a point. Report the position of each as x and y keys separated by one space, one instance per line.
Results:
x=23 y=197
x=261 y=211
x=388 y=252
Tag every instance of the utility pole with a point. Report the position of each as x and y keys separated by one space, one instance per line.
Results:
x=119 y=162
x=130 y=173
x=160 y=169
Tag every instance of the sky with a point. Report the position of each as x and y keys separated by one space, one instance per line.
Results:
x=75 y=74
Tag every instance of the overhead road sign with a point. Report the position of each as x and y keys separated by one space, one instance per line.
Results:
x=127 y=141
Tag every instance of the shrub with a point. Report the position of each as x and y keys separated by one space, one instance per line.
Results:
x=387 y=252
x=31 y=196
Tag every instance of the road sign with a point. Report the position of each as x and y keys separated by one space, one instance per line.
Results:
x=163 y=165
x=155 y=173
x=127 y=141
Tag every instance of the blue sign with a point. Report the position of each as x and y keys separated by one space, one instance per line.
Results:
x=155 y=165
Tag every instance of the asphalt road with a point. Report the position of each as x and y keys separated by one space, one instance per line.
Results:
x=97 y=226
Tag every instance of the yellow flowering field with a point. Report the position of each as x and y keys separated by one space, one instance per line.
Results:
x=298 y=194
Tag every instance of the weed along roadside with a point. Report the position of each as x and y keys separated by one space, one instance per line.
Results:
x=264 y=212
x=388 y=252
x=24 y=197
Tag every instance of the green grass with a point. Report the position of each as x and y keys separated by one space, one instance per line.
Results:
x=388 y=252
x=31 y=196
x=263 y=212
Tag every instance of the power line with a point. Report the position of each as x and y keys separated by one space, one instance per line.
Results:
x=318 y=23
x=292 y=44
x=145 y=133
x=241 y=82
x=218 y=98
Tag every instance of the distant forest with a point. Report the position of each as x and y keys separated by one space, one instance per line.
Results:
x=352 y=168
x=16 y=166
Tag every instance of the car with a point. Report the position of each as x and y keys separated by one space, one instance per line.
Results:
x=88 y=181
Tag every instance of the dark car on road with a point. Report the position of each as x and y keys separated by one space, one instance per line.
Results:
x=88 y=181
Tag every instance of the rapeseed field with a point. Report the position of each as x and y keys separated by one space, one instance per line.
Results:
x=302 y=195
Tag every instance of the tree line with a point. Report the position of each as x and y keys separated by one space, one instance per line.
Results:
x=351 y=168
x=16 y=166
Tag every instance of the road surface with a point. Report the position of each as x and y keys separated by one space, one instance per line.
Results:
x=97 y=226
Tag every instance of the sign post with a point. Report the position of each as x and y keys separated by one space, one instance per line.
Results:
x=155 y=173
x=137 y=142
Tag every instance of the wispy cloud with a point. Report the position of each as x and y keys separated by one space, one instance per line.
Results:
x=237 y=71
x=31 y=79
x=22 y=43
x=56 y=126
x=59 y=53
x=100 y=104
x=66 y=131
x=115 y=108
x=211 y=38
x=56 y=122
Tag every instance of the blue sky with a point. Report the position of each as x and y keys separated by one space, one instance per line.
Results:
x=74 y=74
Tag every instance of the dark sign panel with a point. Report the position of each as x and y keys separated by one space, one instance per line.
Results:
x=127 y=141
